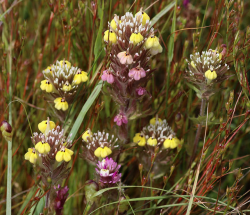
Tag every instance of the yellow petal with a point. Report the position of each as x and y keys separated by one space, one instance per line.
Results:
x=98 y=152
x=104 y=153
x=108 y=150
x=46 y=147
x=66 y=156
x=69 y=151
x=152 y=141
x=59 y=156
x=153 y=121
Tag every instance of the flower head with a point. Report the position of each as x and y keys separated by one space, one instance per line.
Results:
x=47 y=86
x=65 y=63
x=152 y=42
x=154 y=120
x=139 y=139
x=31 y=155
x=156 y=50
x=98 y=145
x=80 y=77
x=141 y=91
x=121 y=119
x=61 y=104
x=205 y=70
x=42 y=126
x=110 y=36
x=108 y=171
x=86 y=134
x=102 y=152
x=136 y=38
x=152 y=141
x=6 y=129
x=62 y=81
x=61 y=196
x=171 y=143
x=137 y=73
x=125 y=57
x=145 y=18
x=64 y=154
x=210 y=75
x=42 y=147
x=108 y=76
x=67 y=87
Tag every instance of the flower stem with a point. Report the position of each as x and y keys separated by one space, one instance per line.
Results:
x=198 y=132
x=9 y=171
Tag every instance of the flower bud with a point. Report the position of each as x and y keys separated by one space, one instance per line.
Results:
x=6 y=130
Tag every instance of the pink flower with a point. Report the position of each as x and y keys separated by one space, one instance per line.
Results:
x=125 y=58
x=121 y=119
x=137 y=73
x=108 y=76
x=140 y=91
x=108 y=170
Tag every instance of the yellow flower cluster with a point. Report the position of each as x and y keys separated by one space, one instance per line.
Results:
x=44 y=148
x=170 y=142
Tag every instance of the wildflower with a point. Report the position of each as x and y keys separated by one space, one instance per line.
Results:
x=156 y=50
x=113 y=22
x=154 y=120
x=171 y=143
x=210 y=75
x=86 y=134
x=6 y=129
x=136 y=38
x=67 y=86
x=137 y=73
x=125 y=58
x=121 y=119
x=129 y=64
x=42 y=147
x=103 y=152
x=64 y=80
x=80 y=77
x=31 y=155
x=141 y=91
x=152 y=141
x=145 y=17
x=61 y=196
x=65 y=63
x=61 y=104
x=64 y=154
x=47 y=86
x=108 y=76
x=49 y=69
x=205 y=70
x=42 y=126
x=108 y=171
x=110 y=36
x=139 y=139
x=151 y=42
x=99 y=144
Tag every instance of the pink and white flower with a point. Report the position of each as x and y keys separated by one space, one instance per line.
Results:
x=121 y=119
x=137 y=73
x=141 y=91
x=125 y=57
x=108 y=76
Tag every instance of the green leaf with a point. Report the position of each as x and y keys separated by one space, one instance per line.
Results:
x=202 y=119
x=85 y=109
x=162 y=13
x=98 y=41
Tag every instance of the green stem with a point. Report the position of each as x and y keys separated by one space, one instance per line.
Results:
x=9 y=170
x=198 y=132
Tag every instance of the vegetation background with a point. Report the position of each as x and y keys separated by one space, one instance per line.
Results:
x=34 y=34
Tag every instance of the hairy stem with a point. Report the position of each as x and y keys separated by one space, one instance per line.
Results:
x=198 y=132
